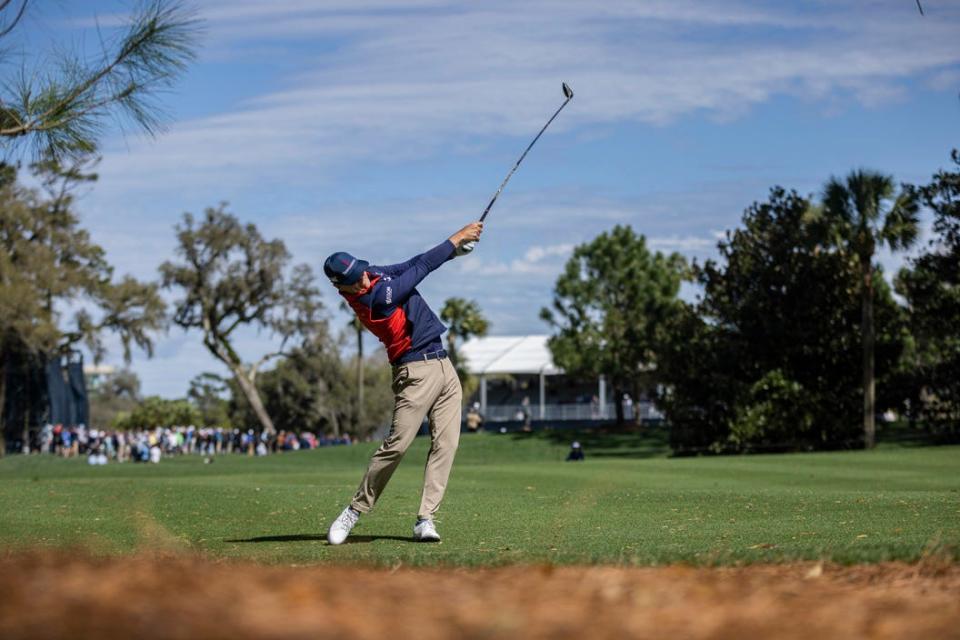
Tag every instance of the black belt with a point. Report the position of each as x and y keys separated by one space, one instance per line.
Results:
x=422 y=357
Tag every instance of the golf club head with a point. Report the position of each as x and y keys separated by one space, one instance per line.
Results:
x=567 y=91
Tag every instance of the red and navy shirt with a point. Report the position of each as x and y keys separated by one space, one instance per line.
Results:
x=393 y=310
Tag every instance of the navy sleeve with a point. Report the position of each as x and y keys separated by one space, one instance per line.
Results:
x=393 y=269
x=402 y=284
x=402 y=267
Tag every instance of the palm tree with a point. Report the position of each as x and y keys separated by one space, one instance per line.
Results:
x=863 y=213
x=358 y=327
x=464 y=319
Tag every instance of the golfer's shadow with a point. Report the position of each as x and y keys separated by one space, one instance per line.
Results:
x=317 y=537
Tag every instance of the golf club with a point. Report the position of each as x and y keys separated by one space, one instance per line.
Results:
x=467 y=247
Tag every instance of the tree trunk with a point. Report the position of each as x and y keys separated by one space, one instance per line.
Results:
x=867 y=331
x=618 y=403
x=359 y=425
x=25 y=434
x=638 y=389
x=3 y=403
x=452 y=348
x=253 y=397
x=332 y=414
x=222 y=351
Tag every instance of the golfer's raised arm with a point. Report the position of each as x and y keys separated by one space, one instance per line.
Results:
x=395 y=269
x=466 y=233
x=401 y=286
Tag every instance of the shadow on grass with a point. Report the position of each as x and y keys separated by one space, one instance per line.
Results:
x=653 y=441
x=638 y=442
x=365 y=539
x=318 y=537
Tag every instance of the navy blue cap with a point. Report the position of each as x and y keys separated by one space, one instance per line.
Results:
x=343 y=269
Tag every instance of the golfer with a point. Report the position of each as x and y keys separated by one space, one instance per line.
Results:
x=386 y=301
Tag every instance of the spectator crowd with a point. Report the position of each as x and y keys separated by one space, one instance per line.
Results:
x=150 y=445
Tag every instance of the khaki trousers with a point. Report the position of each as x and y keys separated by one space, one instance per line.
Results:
x=421 y=388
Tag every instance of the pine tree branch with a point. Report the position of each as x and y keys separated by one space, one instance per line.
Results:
x=16 y=19
x=156 y=47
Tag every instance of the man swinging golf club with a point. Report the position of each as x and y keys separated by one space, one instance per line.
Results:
x=387 y=302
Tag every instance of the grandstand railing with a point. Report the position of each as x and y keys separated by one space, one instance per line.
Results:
x=559 y=412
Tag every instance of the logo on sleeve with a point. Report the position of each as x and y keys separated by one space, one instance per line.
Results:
x=389 y=295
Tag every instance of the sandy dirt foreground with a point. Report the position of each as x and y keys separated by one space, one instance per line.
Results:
x=43 y=596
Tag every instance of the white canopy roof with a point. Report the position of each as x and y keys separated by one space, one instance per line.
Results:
x=508 y=354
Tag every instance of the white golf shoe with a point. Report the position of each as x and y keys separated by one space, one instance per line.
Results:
x=424 y=531
x=341 y=527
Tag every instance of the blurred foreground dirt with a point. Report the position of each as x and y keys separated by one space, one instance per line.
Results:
x=61 y=596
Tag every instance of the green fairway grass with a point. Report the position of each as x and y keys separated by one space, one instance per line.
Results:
x=511 y=499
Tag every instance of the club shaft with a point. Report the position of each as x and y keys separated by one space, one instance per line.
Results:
x=522 y=156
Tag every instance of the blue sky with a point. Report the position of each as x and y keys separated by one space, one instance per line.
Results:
x=380 y=127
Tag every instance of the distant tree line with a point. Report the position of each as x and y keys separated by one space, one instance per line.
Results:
x=795 y=340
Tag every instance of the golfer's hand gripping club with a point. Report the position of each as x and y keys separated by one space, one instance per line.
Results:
x=466 y=238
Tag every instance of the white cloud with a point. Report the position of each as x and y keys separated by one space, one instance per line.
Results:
x=537 y=253
x=536 y=260
x=683 y=244
x=469 y=72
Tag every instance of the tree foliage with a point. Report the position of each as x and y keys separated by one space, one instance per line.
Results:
x=767 y=359
x=208 y=393
x=155 y=411
x=931 y=287
x=312 y=390
x=49 y=262
x=117 y=393
x=229 y=277
x=60 y=110
x=610 y=306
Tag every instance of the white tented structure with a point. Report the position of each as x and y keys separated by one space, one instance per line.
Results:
x=523 y=356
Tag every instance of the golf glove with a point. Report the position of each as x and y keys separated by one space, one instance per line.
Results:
x=465 y=248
